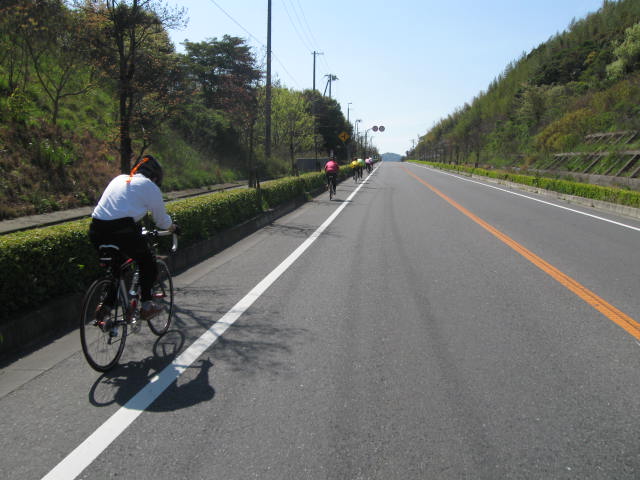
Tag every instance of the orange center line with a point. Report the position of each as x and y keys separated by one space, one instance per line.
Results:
x=612 y=313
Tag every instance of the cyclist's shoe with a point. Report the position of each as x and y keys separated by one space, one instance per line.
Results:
x=103 y=317
x=149 y=310
x=102 y=312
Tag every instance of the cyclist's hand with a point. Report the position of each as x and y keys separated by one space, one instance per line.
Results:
x=175 y=228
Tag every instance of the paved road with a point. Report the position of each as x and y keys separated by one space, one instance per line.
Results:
x=436 y=327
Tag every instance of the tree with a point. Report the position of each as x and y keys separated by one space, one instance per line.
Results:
x=161 y=88
x=126 y=32
x=292 y=125
x=59 y=56
x=21 y=20
x=226 y=76
x=224 y=71
x=330 y=122
x=627 y=53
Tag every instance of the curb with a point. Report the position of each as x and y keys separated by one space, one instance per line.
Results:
x=60 y=315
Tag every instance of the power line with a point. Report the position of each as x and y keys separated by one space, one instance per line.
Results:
x=257 y=40
x=294 y=26
x=236 y=22
x=305 y=30
x=303 y=26
x=309 y=31
x=304 y=17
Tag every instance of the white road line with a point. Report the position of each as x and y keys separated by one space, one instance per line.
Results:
x=85 y=453
x=625 y=225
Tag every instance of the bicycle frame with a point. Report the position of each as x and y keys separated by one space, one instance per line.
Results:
x=112 y=304
x=118 y=269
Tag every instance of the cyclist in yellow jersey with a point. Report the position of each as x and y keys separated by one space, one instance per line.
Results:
x=354 y=168
x=360 y=167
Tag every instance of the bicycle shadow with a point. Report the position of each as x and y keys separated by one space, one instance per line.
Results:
x=337 y=199
x=255 y=346
x=119 y=385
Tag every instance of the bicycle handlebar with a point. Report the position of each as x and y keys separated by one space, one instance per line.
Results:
x=164 y=233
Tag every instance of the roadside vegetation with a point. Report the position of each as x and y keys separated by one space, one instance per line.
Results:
x=617 y=196
x=570 y=105
x=87 y=87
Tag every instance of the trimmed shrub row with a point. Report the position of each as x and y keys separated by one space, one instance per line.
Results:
x=595 y=192
x=41 y=264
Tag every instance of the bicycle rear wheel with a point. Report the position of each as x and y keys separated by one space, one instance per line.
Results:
x=162 y=294
x=104 y=335
x=331 y=189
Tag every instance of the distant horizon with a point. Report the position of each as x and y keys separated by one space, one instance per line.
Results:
x=394 y=156
x=406 y=69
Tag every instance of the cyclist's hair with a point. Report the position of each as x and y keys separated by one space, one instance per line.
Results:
x=150 y=168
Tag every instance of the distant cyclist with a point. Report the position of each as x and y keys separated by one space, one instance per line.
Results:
x=331 y=170
x=360 y=167
x=369 y=163
x=354 y=169
x=125 y=201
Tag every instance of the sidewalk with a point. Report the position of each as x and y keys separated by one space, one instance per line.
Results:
x=33 y=221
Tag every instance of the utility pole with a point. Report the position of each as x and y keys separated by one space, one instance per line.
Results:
x=267 y=133
x=313 y=109
x=358 y=120
x=314 y=53
x=330 y=77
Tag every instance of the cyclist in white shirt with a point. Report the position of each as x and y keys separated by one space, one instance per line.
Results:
x=125 y=201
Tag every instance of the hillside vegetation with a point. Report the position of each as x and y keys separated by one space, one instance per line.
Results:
x=570 y=105
x=87 y=87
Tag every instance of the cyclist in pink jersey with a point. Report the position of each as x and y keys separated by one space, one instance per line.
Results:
x=331 y=170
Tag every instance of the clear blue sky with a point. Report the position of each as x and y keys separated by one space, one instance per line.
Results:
x=404 y=64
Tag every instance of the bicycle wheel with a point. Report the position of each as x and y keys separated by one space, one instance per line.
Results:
x=331 y=192
x=102 y=339
x=162 y=294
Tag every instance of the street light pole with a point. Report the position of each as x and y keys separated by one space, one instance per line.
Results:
x=375 y=128
x=365 y=141
x=357 y=137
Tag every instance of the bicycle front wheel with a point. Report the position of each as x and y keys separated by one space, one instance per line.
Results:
x=103 y=329
x=162 y=294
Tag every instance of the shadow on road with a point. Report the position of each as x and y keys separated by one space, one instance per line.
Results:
x=119 y=385
x=253 y=345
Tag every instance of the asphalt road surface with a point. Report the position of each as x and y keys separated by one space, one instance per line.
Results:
x=421 y=325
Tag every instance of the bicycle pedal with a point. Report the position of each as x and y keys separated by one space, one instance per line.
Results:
x=135 y=325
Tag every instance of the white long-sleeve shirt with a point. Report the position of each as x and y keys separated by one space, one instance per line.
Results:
x=133 y=199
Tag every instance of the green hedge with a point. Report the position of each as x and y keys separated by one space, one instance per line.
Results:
x=202 y=217
x=45 y=263
x=595 y=192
